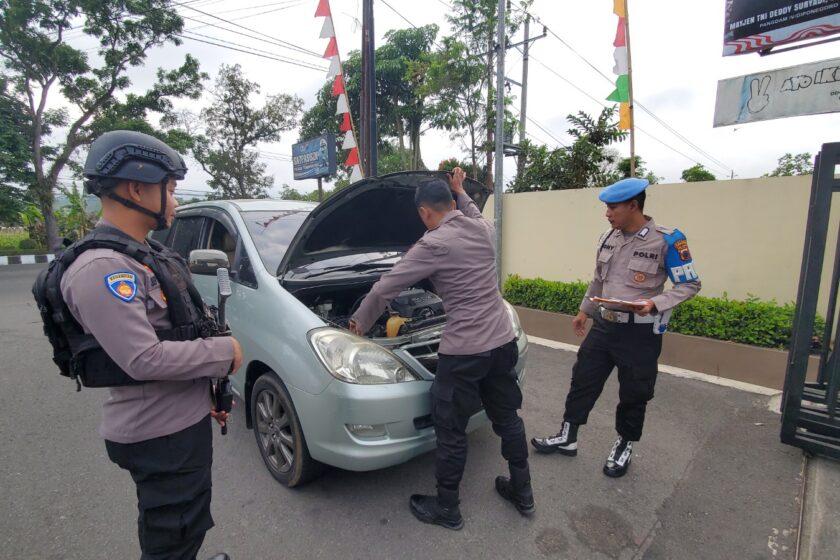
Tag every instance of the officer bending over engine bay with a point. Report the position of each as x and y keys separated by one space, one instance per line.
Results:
x=476 y=358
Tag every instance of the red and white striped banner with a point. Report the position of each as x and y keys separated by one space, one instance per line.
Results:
x=339 y=91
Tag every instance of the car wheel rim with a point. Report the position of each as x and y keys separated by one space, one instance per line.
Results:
x=275 y=432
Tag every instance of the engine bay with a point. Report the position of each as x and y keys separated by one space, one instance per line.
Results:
x=413 y=310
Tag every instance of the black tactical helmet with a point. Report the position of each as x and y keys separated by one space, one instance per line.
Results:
x=125 y=155
x=130 y=156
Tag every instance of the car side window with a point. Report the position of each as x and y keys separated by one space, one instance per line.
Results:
x=222 y=239
x=187 y=235
x=160 y=235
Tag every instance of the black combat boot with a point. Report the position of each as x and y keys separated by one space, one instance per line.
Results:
x=517 y=489
x=564 y=442
x=618 y=460
x=438 y=510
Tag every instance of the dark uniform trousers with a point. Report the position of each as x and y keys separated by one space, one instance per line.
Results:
x=462 y=384
x=634 y=349
x=172 y=474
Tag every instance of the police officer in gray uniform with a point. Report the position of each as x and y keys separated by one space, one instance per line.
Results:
x=477 y=352
x=157 y=425
x=633 y=260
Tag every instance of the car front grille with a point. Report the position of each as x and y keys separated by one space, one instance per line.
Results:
x=425 y=352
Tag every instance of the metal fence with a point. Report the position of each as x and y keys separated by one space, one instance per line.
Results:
x=810 y=410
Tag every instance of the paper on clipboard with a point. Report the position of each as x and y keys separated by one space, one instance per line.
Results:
x=612 y=301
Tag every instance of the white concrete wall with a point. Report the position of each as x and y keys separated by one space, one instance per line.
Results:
x=746 y=236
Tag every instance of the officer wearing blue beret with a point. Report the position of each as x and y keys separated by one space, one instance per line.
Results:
x=630 y=309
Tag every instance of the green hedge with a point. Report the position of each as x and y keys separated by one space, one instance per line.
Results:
x=755 y=322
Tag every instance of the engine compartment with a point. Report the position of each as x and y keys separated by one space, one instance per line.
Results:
x=415 y=309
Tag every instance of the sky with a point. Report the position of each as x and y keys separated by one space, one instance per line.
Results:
x=675 y=45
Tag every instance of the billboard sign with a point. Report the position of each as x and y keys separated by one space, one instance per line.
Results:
x=314 y=158
x=755 y=25
x=807 y=89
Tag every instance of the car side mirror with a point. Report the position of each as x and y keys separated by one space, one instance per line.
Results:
x=207 y=261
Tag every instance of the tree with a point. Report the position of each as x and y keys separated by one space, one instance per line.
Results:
x=697 y=173
x=622 y=171
x=455 y=80
x=12 y=203
x=401 y=106
x=39 y=63
x=401 y=65
x=33 y=221
x=227 y=150
x=586 y=163
x=800 y=164
x=290 y=193
x=74 y=219
x=451 y=163
x=475 y=21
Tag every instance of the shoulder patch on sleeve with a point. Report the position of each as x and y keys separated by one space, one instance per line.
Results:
x=122 y=284
x=678 y=259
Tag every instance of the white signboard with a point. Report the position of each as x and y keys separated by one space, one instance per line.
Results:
x=809 y=89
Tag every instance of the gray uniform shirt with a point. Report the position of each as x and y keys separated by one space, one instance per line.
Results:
x=459 y=257
x=179 y=394
x=634 y=268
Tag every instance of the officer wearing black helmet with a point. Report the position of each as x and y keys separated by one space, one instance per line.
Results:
x=142 y=316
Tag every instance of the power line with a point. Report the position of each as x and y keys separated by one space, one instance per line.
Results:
x=249 y=16
x=278 y=41
x=399 y=14
x=255 y=53
x=531 y=120
x=676 y=133
x=244 y=8
x=598 y=101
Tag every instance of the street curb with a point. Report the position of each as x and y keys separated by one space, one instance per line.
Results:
x=671 y=370
x=26 y=259
x=820 y=532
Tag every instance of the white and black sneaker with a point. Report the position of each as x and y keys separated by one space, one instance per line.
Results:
x=564 y=442
x=619 y=458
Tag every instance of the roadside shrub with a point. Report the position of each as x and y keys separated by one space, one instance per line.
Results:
x=27 y=244
x=754 y=322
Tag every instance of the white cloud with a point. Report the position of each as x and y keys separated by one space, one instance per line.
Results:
x=676 y=52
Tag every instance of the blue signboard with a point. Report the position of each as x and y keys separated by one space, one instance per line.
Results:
x=314 y=158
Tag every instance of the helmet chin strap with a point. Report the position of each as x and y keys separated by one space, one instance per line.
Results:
x=160 y=217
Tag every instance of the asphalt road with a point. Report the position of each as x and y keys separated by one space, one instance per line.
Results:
x=709 y=480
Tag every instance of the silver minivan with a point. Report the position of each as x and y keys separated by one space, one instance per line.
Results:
x=316 y=394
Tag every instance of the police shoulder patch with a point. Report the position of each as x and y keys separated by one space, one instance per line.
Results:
x=122 y=284
x=678 y=259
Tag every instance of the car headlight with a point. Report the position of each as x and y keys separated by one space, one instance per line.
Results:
x=514 y=319
x=355 y=360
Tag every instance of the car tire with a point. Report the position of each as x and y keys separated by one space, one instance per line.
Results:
x=279 y=435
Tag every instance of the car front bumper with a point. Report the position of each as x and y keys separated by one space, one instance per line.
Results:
x=400 y=412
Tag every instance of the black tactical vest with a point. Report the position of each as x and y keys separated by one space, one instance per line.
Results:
x=78 y=355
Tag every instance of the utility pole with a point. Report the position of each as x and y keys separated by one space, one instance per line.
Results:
x=498 y=188
x=368 y=130
x=630 y=92
x=523 y=111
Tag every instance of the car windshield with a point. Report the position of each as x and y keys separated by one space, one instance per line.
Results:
x=272 y=233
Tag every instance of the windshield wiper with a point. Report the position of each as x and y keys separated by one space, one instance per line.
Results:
x=358 y=266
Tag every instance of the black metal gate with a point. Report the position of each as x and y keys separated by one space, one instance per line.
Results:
x=810 y=410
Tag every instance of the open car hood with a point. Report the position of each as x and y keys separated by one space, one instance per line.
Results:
x=372 y=215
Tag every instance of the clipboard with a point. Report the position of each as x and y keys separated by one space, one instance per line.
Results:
x=611 y=301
